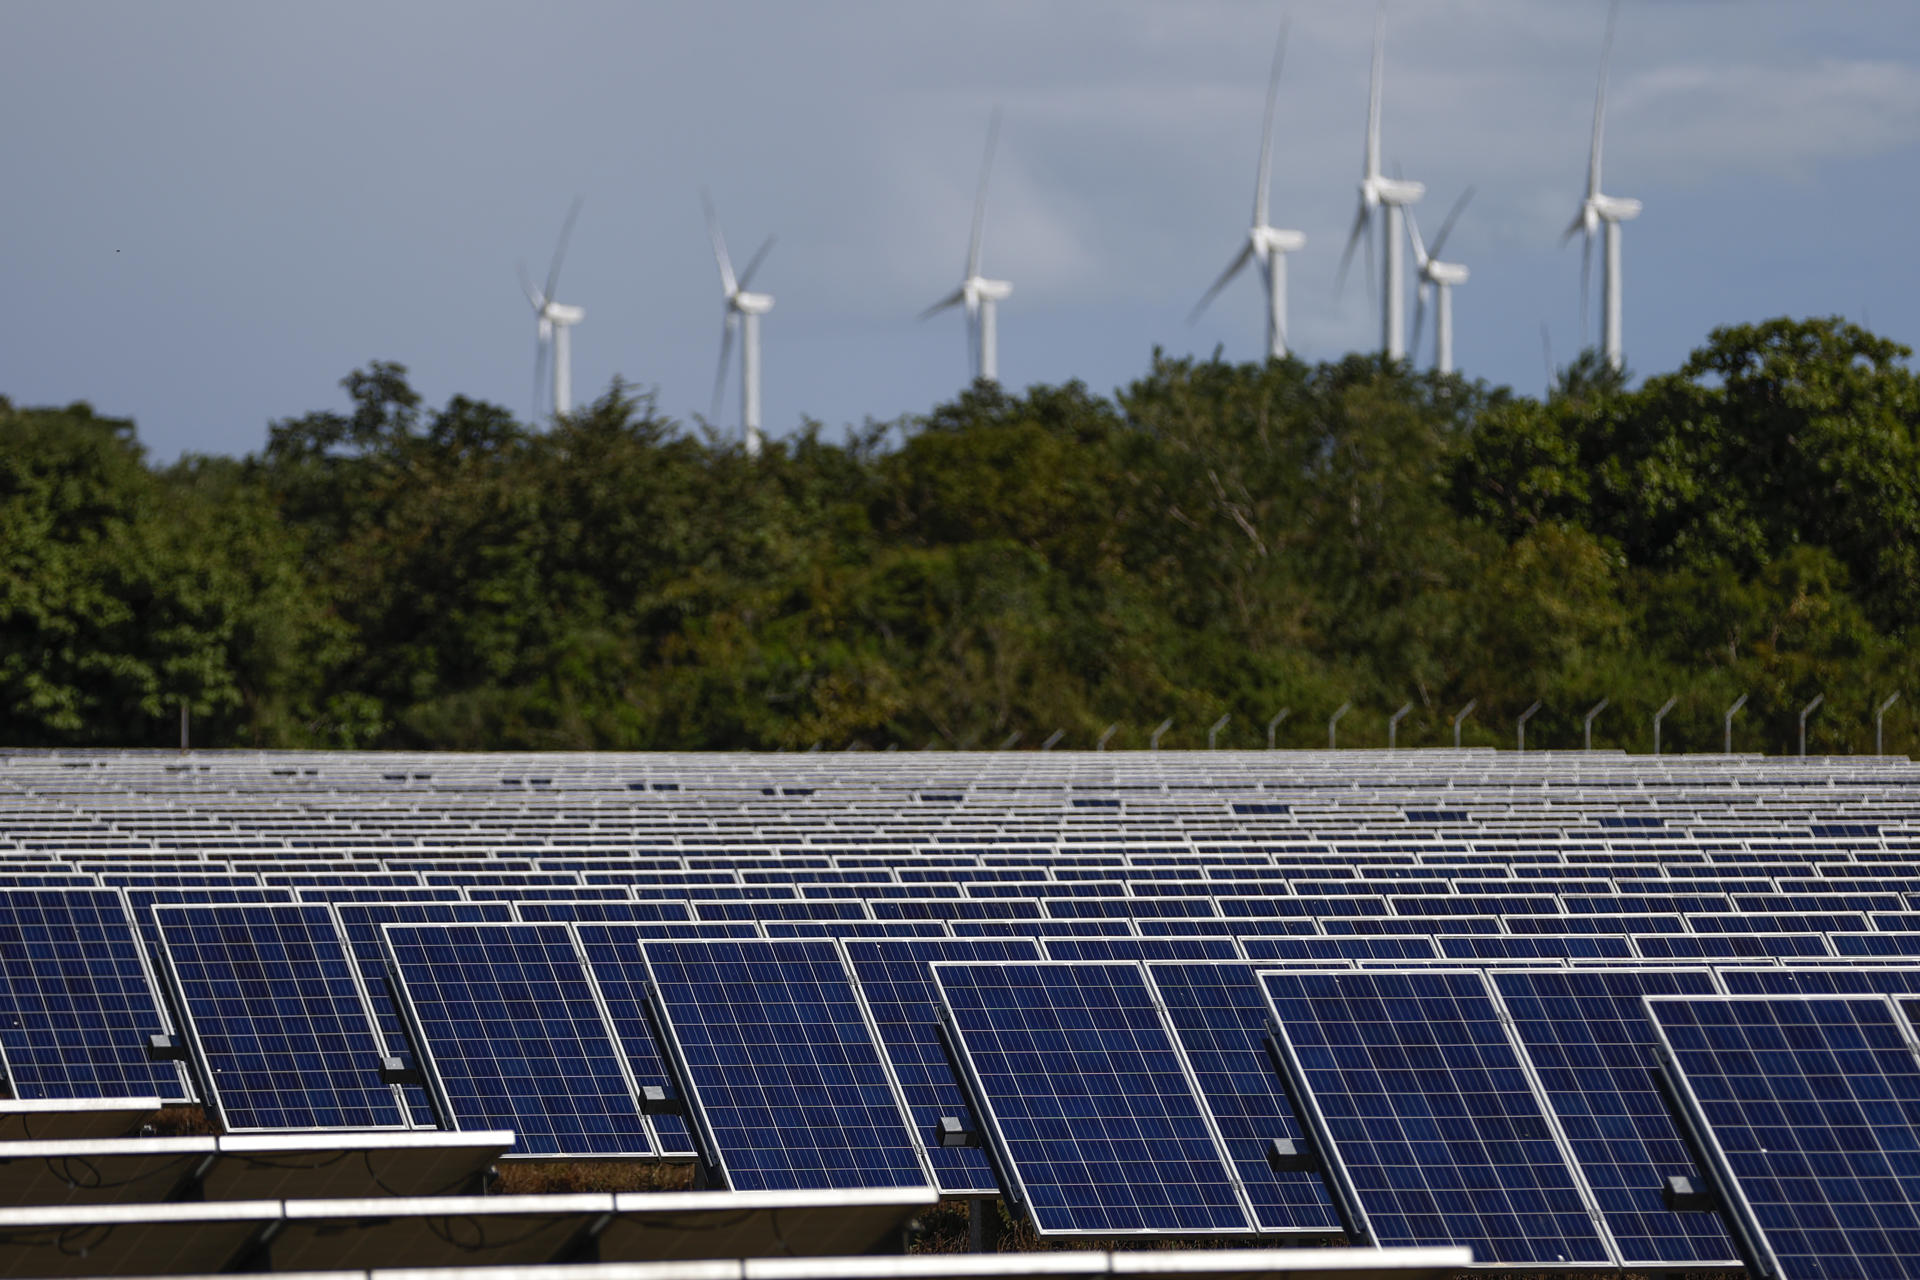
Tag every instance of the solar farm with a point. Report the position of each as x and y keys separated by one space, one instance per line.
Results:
x=1228 y=1013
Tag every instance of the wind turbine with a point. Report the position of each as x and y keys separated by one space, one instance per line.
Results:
x=744 y=310
x=1379 y=192
x=977 y=293
x=1599 y=210
x=1438 y=278
x=1264 y=243
x=555 y=321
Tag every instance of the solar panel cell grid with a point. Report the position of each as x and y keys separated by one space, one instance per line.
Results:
x=269 y=997
x=896 y=985
x=515 y=1039
x=1809 y=1110
x=1089 y=1100
x=76 y=1002
x=784 y=1073
x=1430 y=1117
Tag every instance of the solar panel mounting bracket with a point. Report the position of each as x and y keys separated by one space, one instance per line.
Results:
x=1291 y=1155
x=1682 y=1195
x=954 y=1132
x=397 y=1070
x=165 y=1048
x=656 y=1101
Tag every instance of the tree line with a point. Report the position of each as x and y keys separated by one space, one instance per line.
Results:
x=1214 y=539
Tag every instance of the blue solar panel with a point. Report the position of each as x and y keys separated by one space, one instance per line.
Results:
x=270 y=1002
x=1088 y=1100
x=76 y=1003
x=785 y=1078
x=514 y=1038
x=1592 y=1048
x=1221 y=1020
x=1808 y=1110
x=1384 y=946
x=360 y=924
x=1862 y=980
x=896 y=984
x=1427 y=1120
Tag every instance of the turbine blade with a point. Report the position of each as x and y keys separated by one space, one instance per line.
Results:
x=1575 y=227
x=1446 y=228
x=1266 y=131
x=1373 y=92
x=526 y=287
x=720 y=374
x=1240 y=260
x=1600 y=103
x=953 y=299
x=753 y=263
x=1353 y=242
x=727 y=283
x=1419 y=318
x=560 y=252
x=1586 y=284
x=1420 y=255
x=980 y=197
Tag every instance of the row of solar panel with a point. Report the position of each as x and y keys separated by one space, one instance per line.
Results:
x=1115 y=1102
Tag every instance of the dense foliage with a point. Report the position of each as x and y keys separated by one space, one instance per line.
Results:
x=1214 y=539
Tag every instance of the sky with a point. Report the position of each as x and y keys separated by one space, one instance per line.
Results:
x=211 y=212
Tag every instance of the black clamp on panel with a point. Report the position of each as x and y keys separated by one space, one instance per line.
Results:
x=1289 y=1155
x=656 y=1101
x=396 y=1071
x=954 y=1133
x=162 y=1048
x=1681 y=1196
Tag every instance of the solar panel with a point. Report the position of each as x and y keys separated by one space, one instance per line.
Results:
x=895 y=980
x=76 y=1002
x=1808 y=1111
x=783 y=1075
x=1221 y=1020
x=1425 y=1117
x=268 y=997
x=1592 y=1049
x=360 y=925
x=1087 y=1099
x=514 y=1037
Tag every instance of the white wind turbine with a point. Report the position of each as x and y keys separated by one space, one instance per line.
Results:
x=1379 y=192
x=1598 y=210
x=744 y=310
x=1437 y=278
x=556 y=320
x=1266 y=244
x=977 y=293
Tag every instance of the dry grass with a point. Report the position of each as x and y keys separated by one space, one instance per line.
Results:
x=181 y=1122
x=560 y=1177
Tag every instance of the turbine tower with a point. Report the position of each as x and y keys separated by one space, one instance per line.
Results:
x=744 y=310
x=1388 y=196
x=977 y=293
x=1268 y=245
x=1599 y=210
x=555 y=321
x=1437 y=278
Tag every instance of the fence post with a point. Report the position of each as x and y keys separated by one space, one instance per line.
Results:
x=1333 y=720
x=1520 y=726
x=1460 y=717
x=1587 y=728
x=1660 y=715
x=1393 y=725
x=1806 y=711
x=1274 y=724
x=1732 y=711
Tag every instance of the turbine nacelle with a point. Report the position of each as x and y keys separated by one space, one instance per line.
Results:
x=752 y=304
x=978 y=289
x=1271 y=240
x=1615 y=208
x=1448 y=273
x=560 y=313
x=1376 y=190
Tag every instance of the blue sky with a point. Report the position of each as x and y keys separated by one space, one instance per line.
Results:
x=211 y=212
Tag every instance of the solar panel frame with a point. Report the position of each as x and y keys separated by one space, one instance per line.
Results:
x=44 y=1019
x=221 y=1014
x=915 y=1054
x=1703 y=1115
x=866 y=1111
x=1629 y=1132
x=1200 y=1144
x=1299 y=1062
x=624 y=1136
